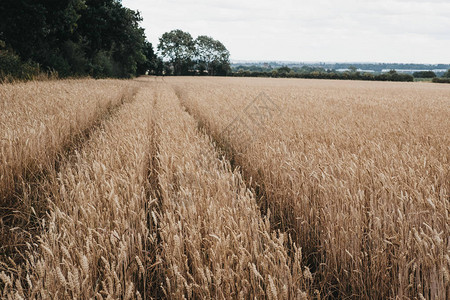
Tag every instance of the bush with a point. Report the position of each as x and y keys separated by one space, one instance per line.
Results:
x=102 y=65
x=424 y=74
x=322 y=74
x=441 y=80
x=446 y=74
x=12 y=67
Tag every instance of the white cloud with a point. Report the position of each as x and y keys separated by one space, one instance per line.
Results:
x=321 y=30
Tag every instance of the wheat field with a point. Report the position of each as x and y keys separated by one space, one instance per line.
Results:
x=224 y=188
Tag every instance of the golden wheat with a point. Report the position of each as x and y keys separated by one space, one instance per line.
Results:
x=39 y=122
x=358 y=172
x=39 y=119
x=96 y=231
x=215 y=245
x=206 y=188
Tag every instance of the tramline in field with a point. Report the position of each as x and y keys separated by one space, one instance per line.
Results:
x=224 y=188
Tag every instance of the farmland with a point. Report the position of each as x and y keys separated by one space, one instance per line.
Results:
x=224 y=188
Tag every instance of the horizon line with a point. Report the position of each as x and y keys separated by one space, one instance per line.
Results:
x=328 y=62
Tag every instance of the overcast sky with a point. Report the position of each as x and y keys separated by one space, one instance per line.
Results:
x=314 y=30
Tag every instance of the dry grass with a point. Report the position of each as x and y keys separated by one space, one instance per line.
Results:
x=39 y=119
x=214 y=243
x=94 y=239
x=150 y=198
x=145 y=207
x=39 y=123
x=358 y=172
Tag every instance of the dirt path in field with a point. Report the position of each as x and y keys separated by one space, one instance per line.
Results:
x=156 y=273
x=227 y=152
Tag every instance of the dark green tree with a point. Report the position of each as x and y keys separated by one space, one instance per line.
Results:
x=178 y=47
x=446 y=74
x=284 y=70
x=114 y=41
x=352 y=69
x=75 y=37
x=212 y=56
x=40 y=30
x=424 y=74
x=150 y=64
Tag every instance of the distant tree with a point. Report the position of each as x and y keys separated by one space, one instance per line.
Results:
x=212 y=55
x=150 y=64
x=424 y=74
x=446 y=74
x=178 y=47
x=353 y=69
x=284 y=70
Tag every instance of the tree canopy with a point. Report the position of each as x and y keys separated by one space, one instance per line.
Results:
x=100 y=38
x=446 y=74
x=211 y=55
x=424 y=74
x=178 y=47
x=186 y=55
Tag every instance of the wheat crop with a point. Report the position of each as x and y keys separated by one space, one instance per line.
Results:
x=94 y=239
x=224 y=188
x=214 y=243
x=358 y=172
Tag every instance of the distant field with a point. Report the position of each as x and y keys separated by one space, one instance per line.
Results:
x=423 y=79
x=214 y=188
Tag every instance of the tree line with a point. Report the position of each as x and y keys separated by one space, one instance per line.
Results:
x=188 y=56
x=98 y=38
x=320 y=73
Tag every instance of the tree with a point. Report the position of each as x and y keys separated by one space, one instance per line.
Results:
x=37 y=30
x=178 y=47
x=352 y=69
x=284 y=70
x=75 y=37
x=112 y=36
x=212 y=56
x=446 y=74
x=151 y=63
x=424 y=74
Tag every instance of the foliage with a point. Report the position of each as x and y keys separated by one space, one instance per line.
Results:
x=75 y=37
x=284 y=70
x=150 y=64
x=446 y=74
x=178 y=47
x=211 y=55
x=441 y=80
x=374 y=67
x=12 y=67
x=424 y=74
x=319 y=73
x=187 y=56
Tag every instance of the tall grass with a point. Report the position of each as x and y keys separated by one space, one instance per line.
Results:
x=147 y=195
x=39 y=122
x=95 y=239
x=357 y=172
x=214 y=243
x=39 y=119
